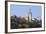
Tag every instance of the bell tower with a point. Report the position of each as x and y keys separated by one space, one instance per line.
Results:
x=29 y=15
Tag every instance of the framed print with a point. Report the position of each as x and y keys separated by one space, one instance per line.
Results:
x=23 y=16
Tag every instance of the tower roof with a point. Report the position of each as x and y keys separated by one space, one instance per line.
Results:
x=30 y=11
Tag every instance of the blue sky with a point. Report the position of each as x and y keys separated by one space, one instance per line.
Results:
x=20 y=10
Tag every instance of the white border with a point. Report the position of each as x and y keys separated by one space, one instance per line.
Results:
x=27 y=29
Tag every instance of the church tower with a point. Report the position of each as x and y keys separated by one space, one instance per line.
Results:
x=29 y=16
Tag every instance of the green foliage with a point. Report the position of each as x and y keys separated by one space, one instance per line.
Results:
x=22 y=23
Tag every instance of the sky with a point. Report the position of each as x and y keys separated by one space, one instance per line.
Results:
x=21 y=10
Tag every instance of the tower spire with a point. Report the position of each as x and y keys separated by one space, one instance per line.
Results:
x=30 y=11
x=29 y=15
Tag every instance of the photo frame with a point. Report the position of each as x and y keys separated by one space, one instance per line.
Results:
x=8 y=13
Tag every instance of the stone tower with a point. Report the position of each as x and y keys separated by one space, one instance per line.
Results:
x=29 y=16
